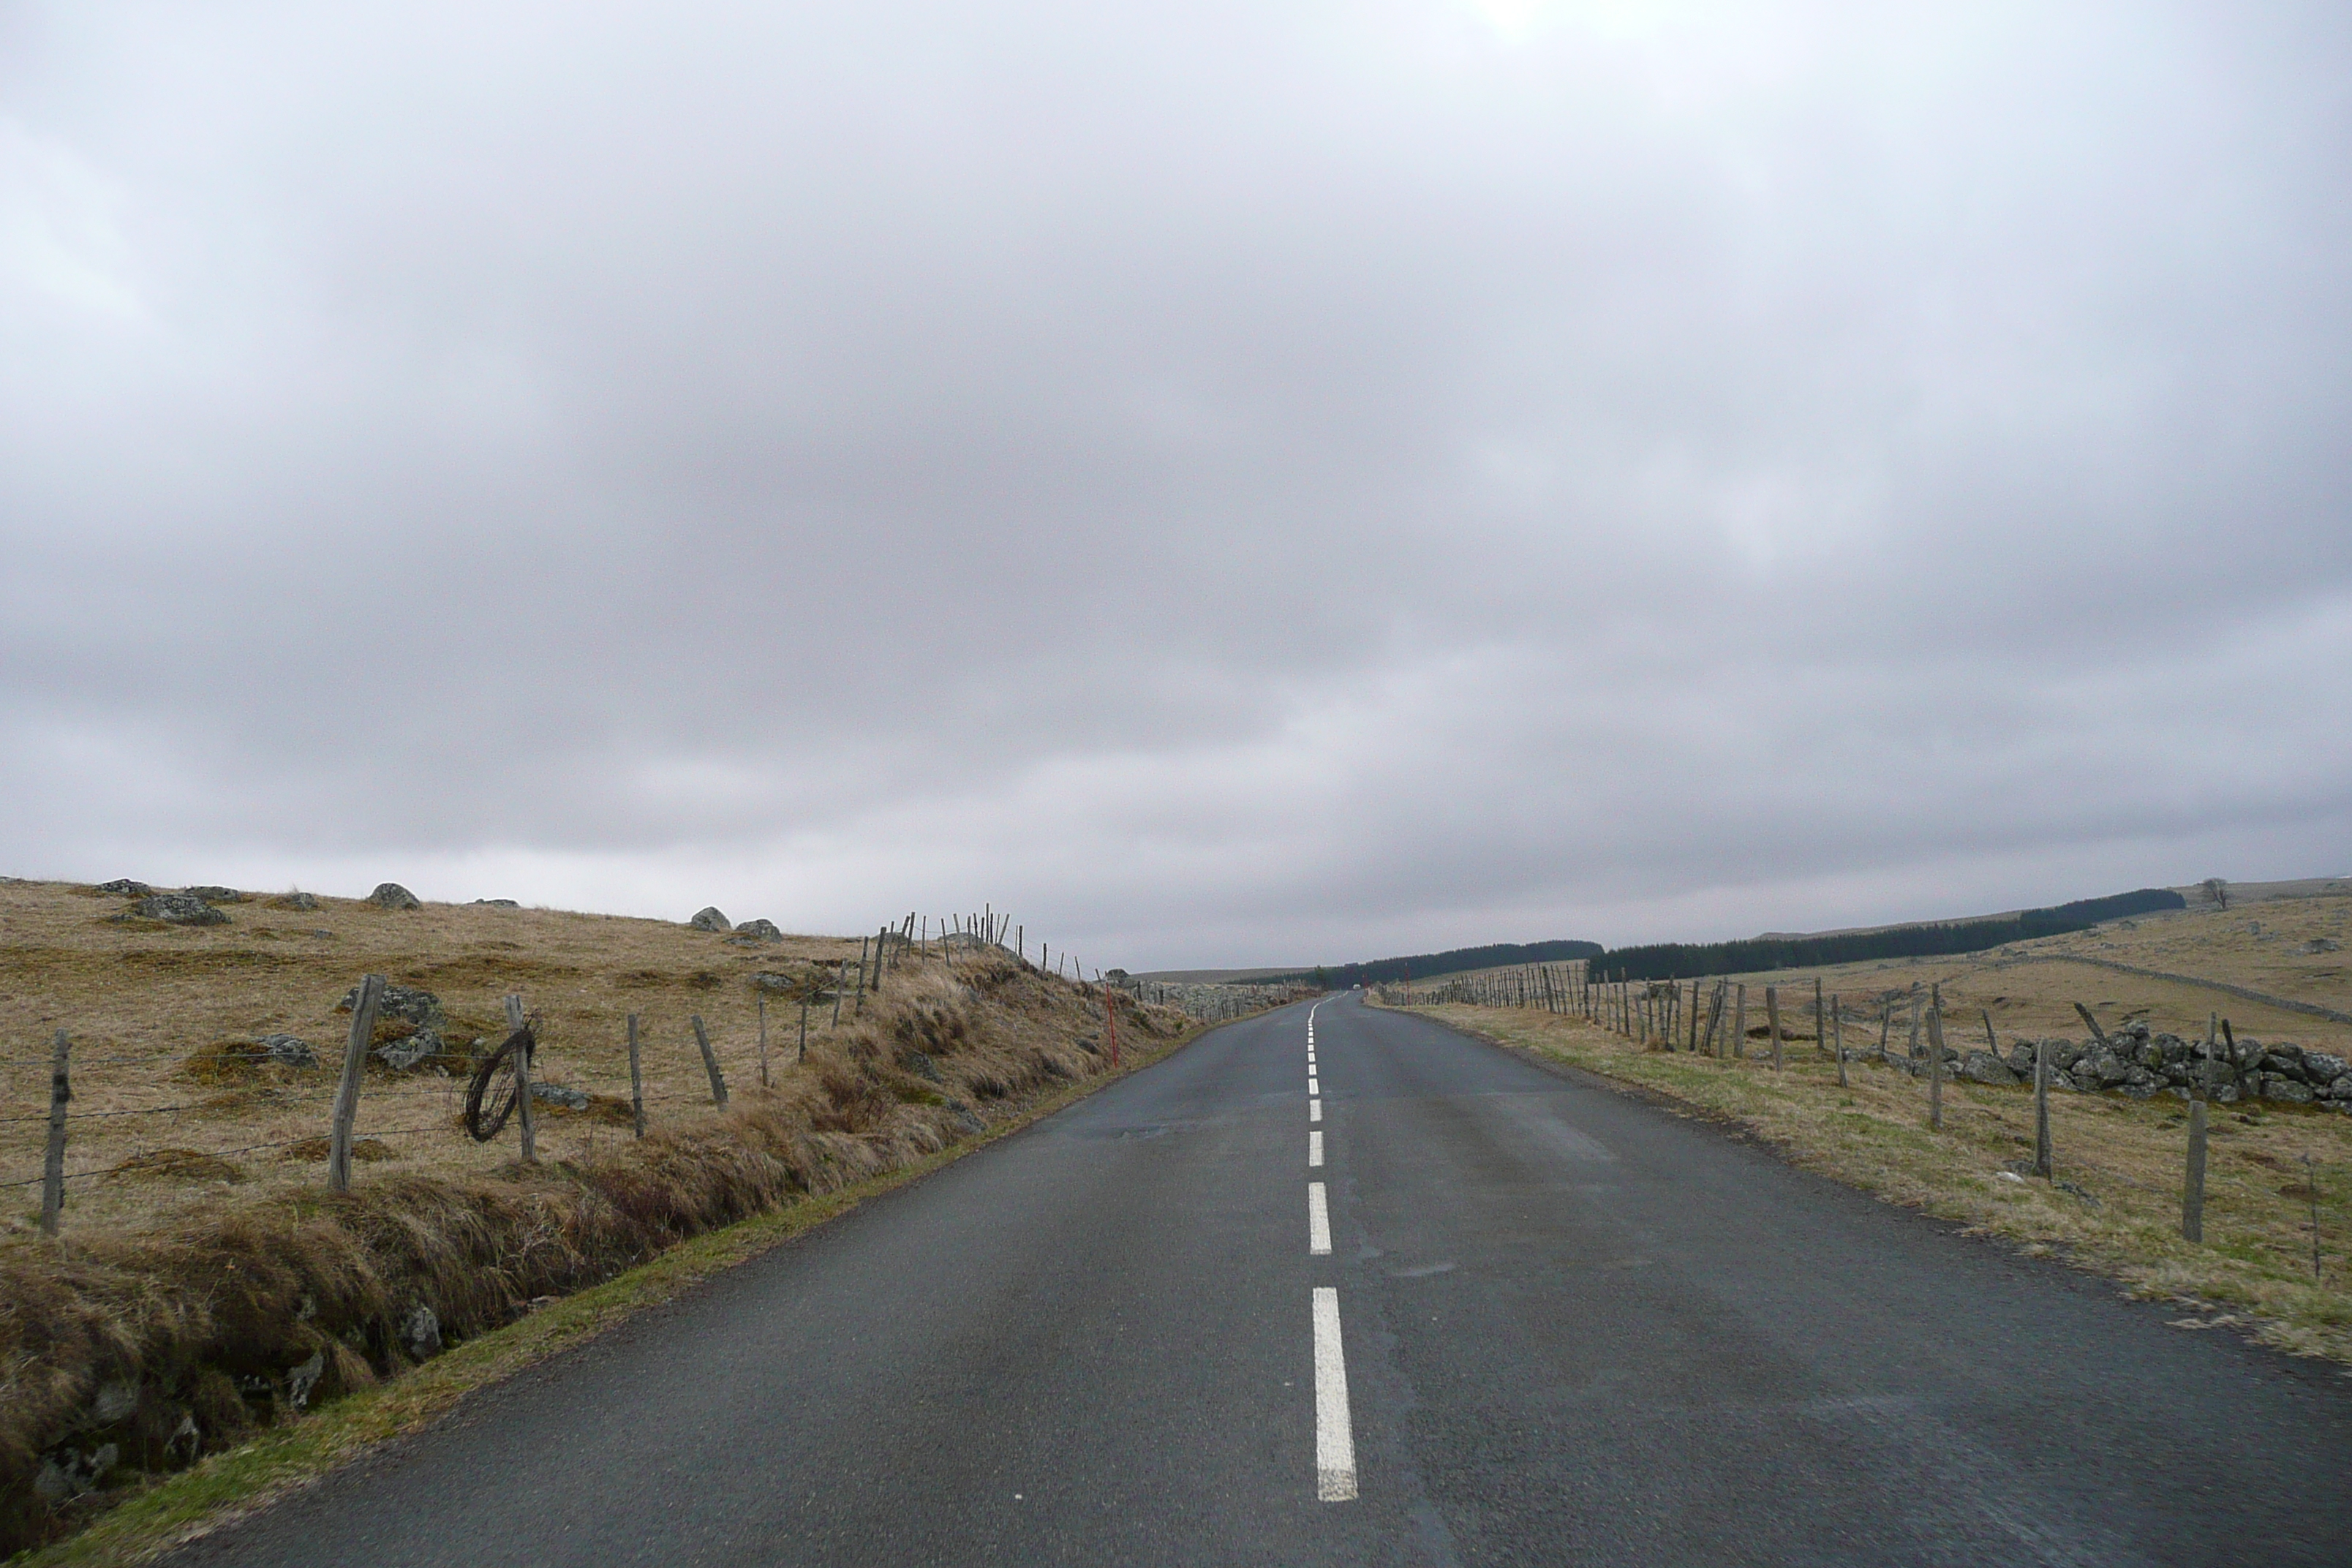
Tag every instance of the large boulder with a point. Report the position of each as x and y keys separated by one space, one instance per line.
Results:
x=2100 y=1067
x=125 y=887
x=179 y=909
x=214 y=894
x=765 y=930
x=710 y=919
x=2293 y=1092
x=2324 y=1066
x=295 y=900
x=392 y=896
x=420 y=1332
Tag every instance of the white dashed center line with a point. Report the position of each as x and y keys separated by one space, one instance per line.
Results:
x=1318 y=1222
x=1335 y=1438
x=1314 y=1150
x=1314 y=1110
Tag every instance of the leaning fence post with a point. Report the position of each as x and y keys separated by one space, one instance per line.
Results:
x=53 y=1163
x=711 y=1062
x=1772 y=1017
x=2192 y=1195
x=2041 y=1108
x=516 y=1022
x=636 y=1080
x=347 y=1091
x=1935 y=1057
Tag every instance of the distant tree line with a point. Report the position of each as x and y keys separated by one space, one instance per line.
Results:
x=1680 y=960
x=1339 y=977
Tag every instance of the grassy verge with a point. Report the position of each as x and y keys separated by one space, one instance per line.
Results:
x=178 y=1508
x=2114 y=1205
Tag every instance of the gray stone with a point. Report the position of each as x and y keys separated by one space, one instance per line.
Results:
x=2064 y=1054
x=2283 y=1053
x=295 y=900
x=563 y=1095
x=304 y=1378
x=2225 y=1094
x=69 y=1470
x=288 y=1051
x=409 y=1004
x=2321 y=944
x=708 y=918
x=2293 y=1092
x=2102 y=1068
x=921 y=1065
x=498 y=903
x=420 y=1332
x=1983 y=1067
x=123 y=886
x=2324 y=1066
x=410 y=1051
x=763 y=928
x=392 y=896
x=216 y=895
x=179 y=909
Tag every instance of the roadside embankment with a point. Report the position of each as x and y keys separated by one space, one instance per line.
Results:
x=151 y=1336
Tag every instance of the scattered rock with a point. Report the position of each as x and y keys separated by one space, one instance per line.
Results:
x=294 y=900
x=124 y=887
x=764 y=929
x=2321 y=944
x=408 y=1002
x=498 y=903
x=920 y=1064
x=1983 y=1067
x=216 y=895
x=2324 y=1066
x=420 y=1332
x=288 y=1051
x=392 y=896
x=562 y=1096
x=2277 y=1086
x=179 y=910
x=300 y=1381
x=69 y=1470
x=710 y=919
x=410 y=1051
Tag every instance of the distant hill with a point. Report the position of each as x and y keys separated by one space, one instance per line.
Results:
x=1673 y=960
x=1494 y=955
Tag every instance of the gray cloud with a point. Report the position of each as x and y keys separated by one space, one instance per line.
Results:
x=1228 y=484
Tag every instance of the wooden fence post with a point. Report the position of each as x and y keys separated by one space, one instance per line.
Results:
x=1821 y=1020
x=347 y=1091
x=1936 y=1058
x=1739 y=1029
x=2192 y=1195
x=803 y=1026
x=53 y=1160
x=1837 y=1028
x=763 y=1043
x=2041 y=1109
x=637 y=1079
x=1772 y=1020
x=711 y=1063
x=515 y=1021
x=859 y=1011
x=841 y=983
x=1992 y=1041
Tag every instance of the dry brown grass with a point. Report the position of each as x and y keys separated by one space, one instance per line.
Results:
x=203 y=1264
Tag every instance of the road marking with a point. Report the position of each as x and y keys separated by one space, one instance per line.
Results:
x=1314 y=1110
x=1314 y=1150
x=1311 y=1088
x=1334 y=1438
x=1318 y=1222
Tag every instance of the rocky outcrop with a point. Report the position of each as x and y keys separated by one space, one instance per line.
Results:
x=212 y=894
x=288 y=1051
x=392 y=896
x=124 y=888
x=707 y=918
x=2143 y=1063
x=762 y=929
x=295 y=900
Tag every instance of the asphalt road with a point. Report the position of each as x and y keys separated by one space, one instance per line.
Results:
x=1570 y=1328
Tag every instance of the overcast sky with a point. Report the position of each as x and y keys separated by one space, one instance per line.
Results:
x=1226 y=482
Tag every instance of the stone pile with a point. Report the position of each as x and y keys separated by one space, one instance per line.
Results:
x=2142 y=1063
